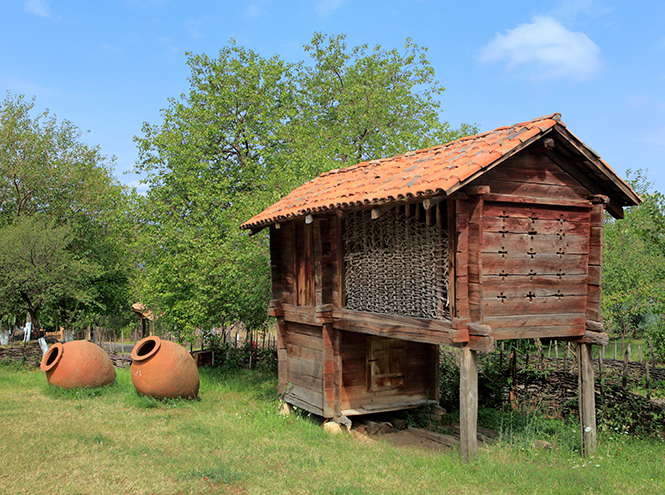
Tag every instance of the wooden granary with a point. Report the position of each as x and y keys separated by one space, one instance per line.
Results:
x=489 y=237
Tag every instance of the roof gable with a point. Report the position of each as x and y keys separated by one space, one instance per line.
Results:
x=435 y=171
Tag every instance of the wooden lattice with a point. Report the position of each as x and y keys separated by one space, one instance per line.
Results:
x=395 y=265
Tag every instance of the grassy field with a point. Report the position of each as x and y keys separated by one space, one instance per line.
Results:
x=232 y=440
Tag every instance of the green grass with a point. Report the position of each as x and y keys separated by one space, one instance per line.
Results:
x=232 y=440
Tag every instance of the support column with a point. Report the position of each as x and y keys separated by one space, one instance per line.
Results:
x=587 y=399
x=468 y=405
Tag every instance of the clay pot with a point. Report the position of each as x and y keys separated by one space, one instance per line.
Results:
x=164 y=370
x=77 y=364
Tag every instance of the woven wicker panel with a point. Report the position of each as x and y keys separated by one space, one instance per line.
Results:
x=395 y=265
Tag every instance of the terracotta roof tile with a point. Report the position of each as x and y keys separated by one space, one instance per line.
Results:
x=414 y=174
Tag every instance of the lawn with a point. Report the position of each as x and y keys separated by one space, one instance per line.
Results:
x=232 y=440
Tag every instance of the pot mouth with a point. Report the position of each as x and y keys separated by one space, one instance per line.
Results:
x=146 y=347
x=52 y=357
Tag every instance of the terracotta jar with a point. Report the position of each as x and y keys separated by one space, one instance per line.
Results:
x=78 y=363
x=164 y=370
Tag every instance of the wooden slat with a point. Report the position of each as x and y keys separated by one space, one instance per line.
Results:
x=544 y=264
x=513 y=244
x=514 y=225
x=300 y=314
x=521 y=287
x=317 y=256
x=282 y=355
x=288 y=263
x=276 y=262
x=537 y=332
x=522 y=321
x=512 y=284
x=572 y=215
x=305 y=367
x=537 y=305
x=306 y=341
x=542 y=191
x=305 y=381
x=531 y=200
x=305 y=399
x=398 y=327
x=304 y=352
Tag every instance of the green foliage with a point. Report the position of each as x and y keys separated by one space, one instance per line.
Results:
x=62 y=248
x=634 y=262
x=657 y=333
x=249 y=131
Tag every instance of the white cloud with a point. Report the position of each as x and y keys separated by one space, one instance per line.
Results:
x=256 y=8
x=544 y=49
x=326 y=7
x=37 y=7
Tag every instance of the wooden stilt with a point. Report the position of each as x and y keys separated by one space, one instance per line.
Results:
x=468 y=405
x=587 y=399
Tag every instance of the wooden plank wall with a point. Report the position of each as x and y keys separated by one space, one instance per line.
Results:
x=305 y=367
x=419 y=377
x=535 y=256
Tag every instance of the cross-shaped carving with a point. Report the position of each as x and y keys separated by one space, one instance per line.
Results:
x=531 y=253
x=503 y=252
x=502 y=298
x=560 y=253
x=531 y=296
x=560 y=273
x=503 y=274
x=532 y=274
x=558 y=295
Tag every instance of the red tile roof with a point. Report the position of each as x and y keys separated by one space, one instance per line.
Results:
x=423 y=173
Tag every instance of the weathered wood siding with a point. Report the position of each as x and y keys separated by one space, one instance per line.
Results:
x=535 y=251
x=404 y=373
x=305 y=367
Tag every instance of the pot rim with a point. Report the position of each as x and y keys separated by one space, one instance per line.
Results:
x=157 y=342
x=55 y=348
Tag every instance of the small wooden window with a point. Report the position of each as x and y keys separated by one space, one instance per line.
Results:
x=386 y=363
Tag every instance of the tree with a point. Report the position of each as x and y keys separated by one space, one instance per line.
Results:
x=37 y=268
x=634 y=261
x=61 y=191
x=249 y=131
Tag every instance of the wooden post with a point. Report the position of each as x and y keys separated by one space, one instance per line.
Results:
x=587 y=399
x=332 y=381
x=468 y=405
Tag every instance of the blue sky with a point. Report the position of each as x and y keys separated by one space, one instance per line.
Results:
x=110 y=66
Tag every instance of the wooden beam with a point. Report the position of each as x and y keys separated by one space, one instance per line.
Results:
x=479 y=330
x=397 y=327
x=476 y=190
x=587 y=400
x=596 y=338
x=468 y=405
x=430 y=202
x=377 y=211
x=595 y=326
x=309 y=219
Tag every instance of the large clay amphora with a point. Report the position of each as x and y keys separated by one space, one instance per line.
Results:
x=164 y=370
x=78 y=363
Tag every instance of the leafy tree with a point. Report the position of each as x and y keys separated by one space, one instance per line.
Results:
x=634 y=261
x=61 y=191
x=36 y=266
x=249 y=131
